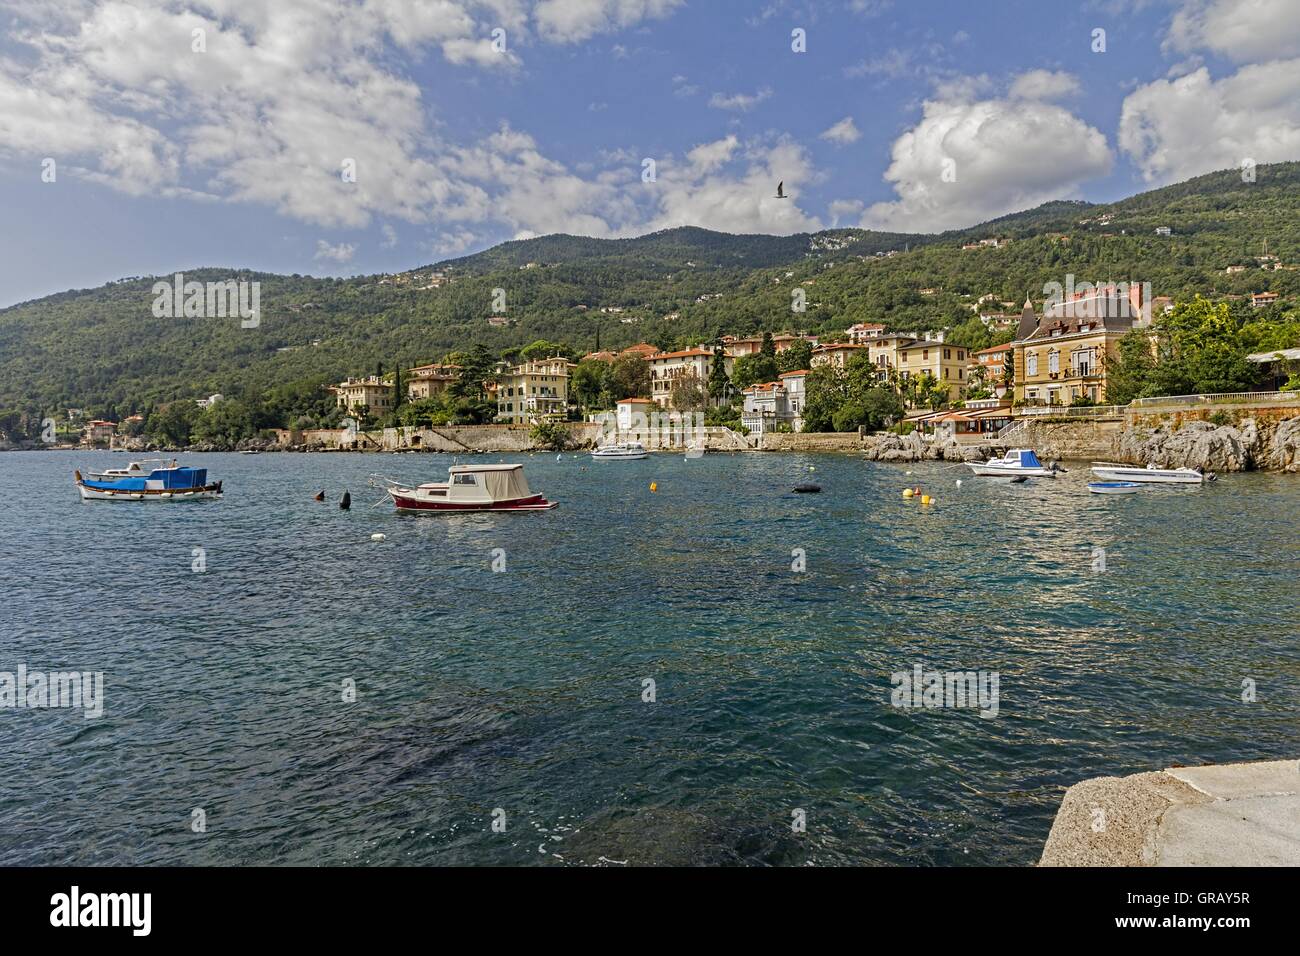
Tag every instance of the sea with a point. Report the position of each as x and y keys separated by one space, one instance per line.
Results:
x=684 y=663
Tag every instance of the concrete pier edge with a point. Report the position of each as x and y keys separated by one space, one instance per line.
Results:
x=1241 y=814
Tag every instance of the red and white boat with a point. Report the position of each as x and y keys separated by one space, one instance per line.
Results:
x=470 y=488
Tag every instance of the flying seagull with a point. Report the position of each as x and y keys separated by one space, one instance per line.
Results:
x=780 y=190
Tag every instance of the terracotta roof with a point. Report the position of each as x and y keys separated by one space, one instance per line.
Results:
x=633 y=401
x=994 y=348
x=684 y=353
x=802 y=371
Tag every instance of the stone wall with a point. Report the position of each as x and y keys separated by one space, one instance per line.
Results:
x=811 y=441
x=1088 y=439
x=1211 y=440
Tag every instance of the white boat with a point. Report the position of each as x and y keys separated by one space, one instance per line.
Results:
x=1109 y=471
x=694 y=451
x=1113 y=487
x=468 y=488
x=136 y=469
x=1017 y=463
x=627 y=451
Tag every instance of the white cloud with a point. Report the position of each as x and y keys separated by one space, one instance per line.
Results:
x=732 y=188
x=1242 y=30
x=1043 y=85
x=843 y=132
x=341 y=253
x=844 y=209
x=570 y=21
x=1174 y=129
x=741 y=102
x=285 y=96
x=1005 y=154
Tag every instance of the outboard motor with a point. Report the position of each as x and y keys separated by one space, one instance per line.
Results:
x=346 y=503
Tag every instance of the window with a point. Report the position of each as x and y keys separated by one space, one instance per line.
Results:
x=1031 y=363
x=947 y=353
x=463 y=480
x=925 y=355
x=1053 y=361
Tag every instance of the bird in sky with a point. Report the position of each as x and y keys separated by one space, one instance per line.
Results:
x=780 y=190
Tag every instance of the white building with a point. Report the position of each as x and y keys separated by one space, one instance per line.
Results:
x=667 y=368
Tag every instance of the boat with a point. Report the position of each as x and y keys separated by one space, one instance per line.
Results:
x=135 y=469
x=172 y=482
x=1017 y=463
x=468 y=488
x=1110 y=471
x=1113 y=487
x=626 y=451
x=694 y=451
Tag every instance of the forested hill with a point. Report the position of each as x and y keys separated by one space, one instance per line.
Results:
x=103 y=350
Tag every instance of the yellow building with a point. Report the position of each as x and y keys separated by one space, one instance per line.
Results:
x=427 y=381
x=534 y=391
x=946 y=362
x=372 y=393
x=1060 y=356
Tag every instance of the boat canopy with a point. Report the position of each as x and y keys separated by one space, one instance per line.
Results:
x=487 y=483
x=1024 y=457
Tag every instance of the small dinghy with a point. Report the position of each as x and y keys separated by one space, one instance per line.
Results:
x=1113 y=487
x=807 y=488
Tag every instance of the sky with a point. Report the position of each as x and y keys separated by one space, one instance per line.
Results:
x=342 y=137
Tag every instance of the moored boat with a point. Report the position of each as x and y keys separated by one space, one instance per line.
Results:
x=1017 y=463
x=626 y=451
x=1113 y=487
x=1110 y=471
x=469 y=488
x=135 y=469
x=172 y=482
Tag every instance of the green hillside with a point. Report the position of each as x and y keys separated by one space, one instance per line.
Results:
x=102 y=349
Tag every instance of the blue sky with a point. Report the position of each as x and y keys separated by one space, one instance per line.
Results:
x=173 y=149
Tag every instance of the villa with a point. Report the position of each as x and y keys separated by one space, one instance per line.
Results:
x=372 y=394
x=666 y=368
x=534 y=391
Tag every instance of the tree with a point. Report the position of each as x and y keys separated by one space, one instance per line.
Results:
x=629 y=377
x=172 y=424
x=226 y=422
x=590 y=384
x=689 y=393
x=749 y=369
x=795 y=358
x=718 y=380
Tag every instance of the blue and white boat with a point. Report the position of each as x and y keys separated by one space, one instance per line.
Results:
x=1017 y=463
x=1113 y=487
x=167 y=482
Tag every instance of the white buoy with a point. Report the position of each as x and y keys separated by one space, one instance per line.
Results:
x=907 y=472
x=558 y=457
x=378 y=537
x=958 y=482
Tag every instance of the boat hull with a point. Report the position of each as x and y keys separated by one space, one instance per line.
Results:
x=207 y=492
x=1001 y=471
x=1113 y=487
x=1162 y=476
x=628 y=456
x=410 y=501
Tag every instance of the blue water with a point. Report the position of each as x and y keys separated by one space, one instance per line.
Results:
x=522 y=690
